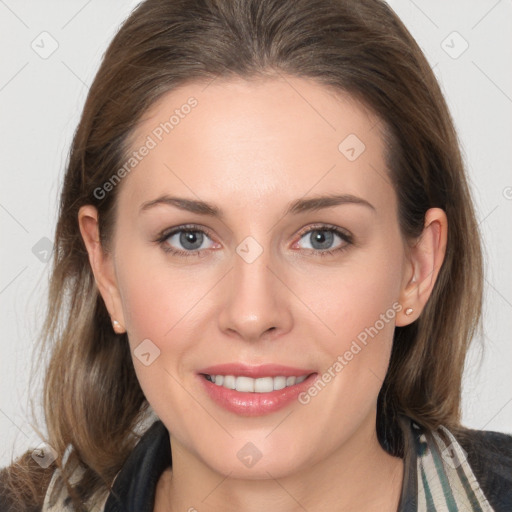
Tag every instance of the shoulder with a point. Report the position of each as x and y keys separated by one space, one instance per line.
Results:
x=490 y=456
x=456 y=469
x=133 y=484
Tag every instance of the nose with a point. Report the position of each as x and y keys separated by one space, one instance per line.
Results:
x=255 y=303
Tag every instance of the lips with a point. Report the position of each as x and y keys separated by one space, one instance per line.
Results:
x=254 y=390
x=264 y=370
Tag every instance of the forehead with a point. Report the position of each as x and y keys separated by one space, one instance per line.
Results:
x=268 y=140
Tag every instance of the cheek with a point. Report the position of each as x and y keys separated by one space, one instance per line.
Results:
x=159 y=306
x=359 y=309
x=158 y=302
x=358 y=305
x=351 y=299
x=167 y=305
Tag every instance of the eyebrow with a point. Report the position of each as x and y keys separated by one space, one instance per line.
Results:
x=294 y=208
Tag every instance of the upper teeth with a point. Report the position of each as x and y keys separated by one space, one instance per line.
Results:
x=250 y=385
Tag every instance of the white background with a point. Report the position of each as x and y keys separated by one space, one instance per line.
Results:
x=41 y=99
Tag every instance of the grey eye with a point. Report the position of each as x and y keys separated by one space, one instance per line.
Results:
x=320 y=239
x=189 y=240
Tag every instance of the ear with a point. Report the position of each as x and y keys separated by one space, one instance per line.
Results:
x=424 y=261
x=102 y=266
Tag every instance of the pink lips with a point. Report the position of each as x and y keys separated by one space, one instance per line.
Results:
x=254 y=404
x=264 y=370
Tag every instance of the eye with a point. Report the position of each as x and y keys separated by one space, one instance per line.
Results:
x=321 y=239
x=185 y=241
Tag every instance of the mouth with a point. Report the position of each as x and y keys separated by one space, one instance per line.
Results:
x=254 y=390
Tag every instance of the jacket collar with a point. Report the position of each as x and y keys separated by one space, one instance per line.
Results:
x=135 y=486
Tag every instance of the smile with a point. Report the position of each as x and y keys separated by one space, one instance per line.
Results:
x=250 y=385
x=254 y=390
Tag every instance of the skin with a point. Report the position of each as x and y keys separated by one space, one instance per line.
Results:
x=251 y=147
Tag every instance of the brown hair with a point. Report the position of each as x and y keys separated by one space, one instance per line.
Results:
x=92 y=400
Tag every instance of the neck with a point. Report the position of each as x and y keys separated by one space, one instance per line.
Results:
x=360 y=475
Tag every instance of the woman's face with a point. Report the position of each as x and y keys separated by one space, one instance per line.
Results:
x=297 y=268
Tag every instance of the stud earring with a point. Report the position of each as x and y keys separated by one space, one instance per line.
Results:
x=409 y=311
x=117 y=327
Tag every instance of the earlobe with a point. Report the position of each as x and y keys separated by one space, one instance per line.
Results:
x=424 y=262
x=101 y=265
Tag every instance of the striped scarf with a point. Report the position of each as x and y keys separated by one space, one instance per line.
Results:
x=444 y=479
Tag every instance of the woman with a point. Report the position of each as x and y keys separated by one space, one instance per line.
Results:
x=267 y=274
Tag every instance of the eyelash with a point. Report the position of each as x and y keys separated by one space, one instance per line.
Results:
x=190 y=228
